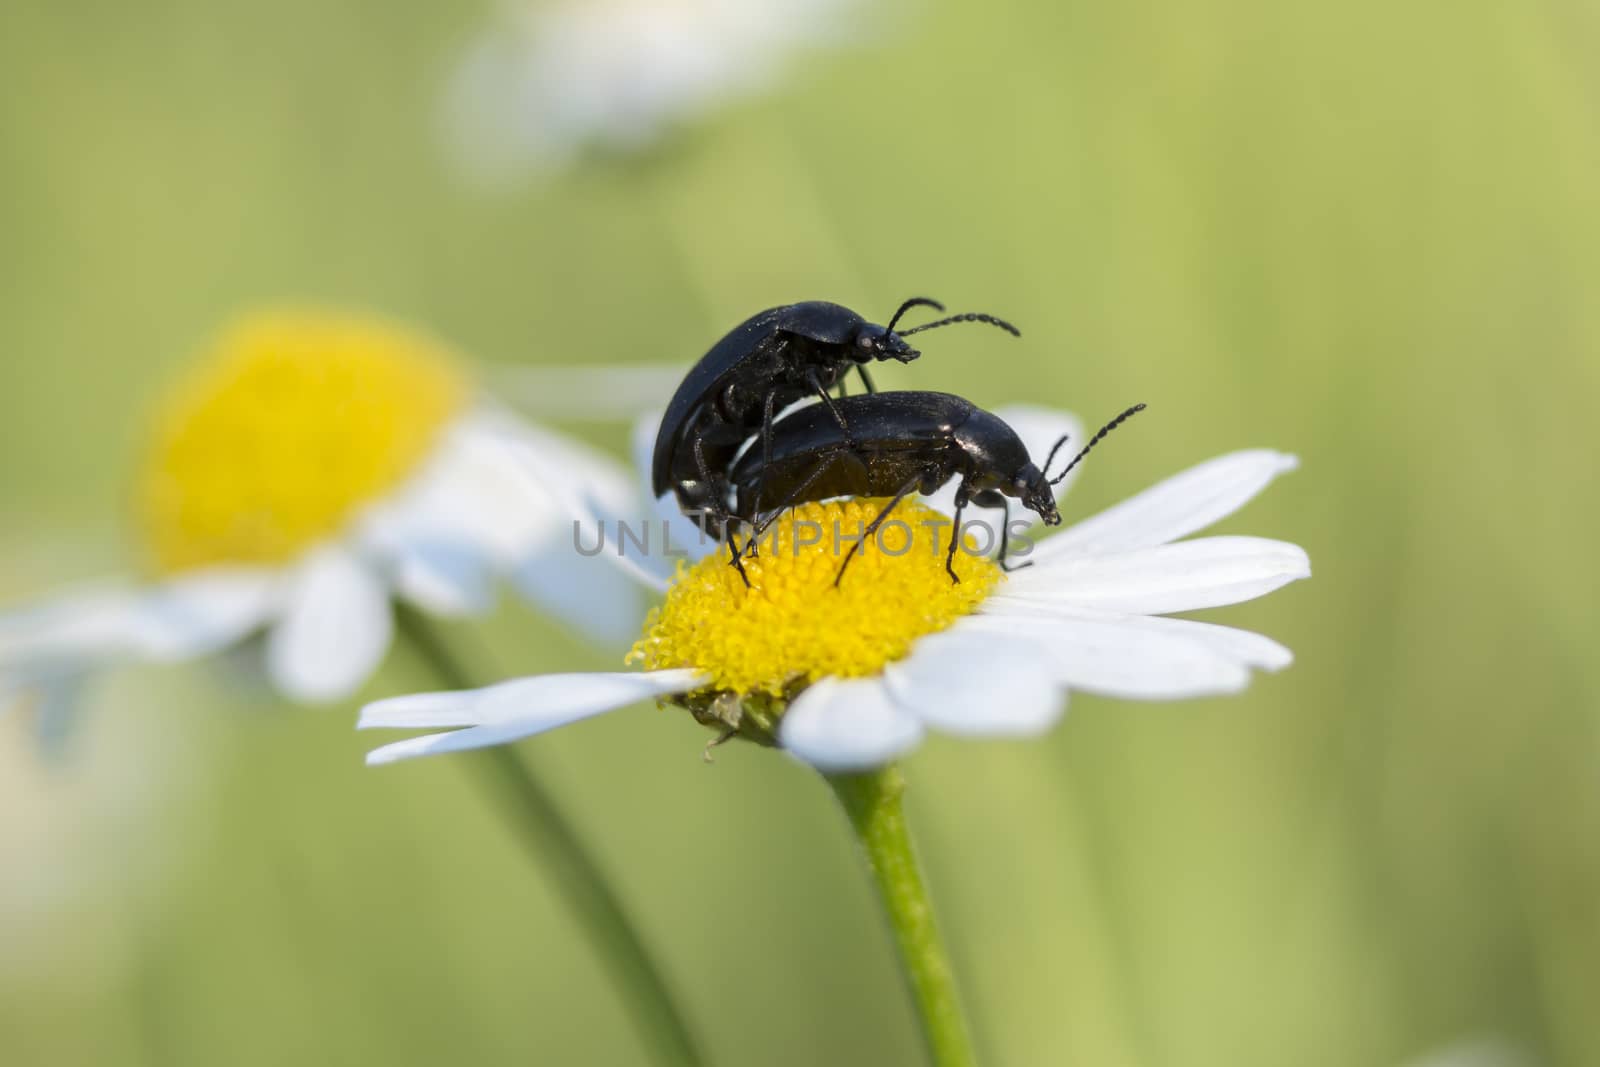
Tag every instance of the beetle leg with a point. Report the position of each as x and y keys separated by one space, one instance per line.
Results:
x=761 y=527
x=955 y=533
x=872 y=527
x=816 y=385
x=866 y=379
x=767 y=411
x=722 y=516
x=991 y=498
x=1005 y=539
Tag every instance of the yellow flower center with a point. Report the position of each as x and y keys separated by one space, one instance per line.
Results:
x=293 y=423
x=792 y=624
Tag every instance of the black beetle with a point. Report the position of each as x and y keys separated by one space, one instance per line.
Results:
x=903 y=442
x=763 y=365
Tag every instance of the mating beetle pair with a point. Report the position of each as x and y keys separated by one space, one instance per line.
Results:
x=763 y=365
x=880 y=444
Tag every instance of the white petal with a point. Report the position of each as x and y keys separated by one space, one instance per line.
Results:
x=572 y=467
x=521 y=699
x=480 y=491
x=421 y=711
x=841 y=725
x=594 y=497
x=685 y=534
x=1107 y=657
x=91 y=623
x=596 y=596
x=503 y=496
x=642 y=446
x=589 y=496
x=200 y=613
x=1174 y=508
x=449 y=579
x=977 y=684
x=1241 y=646
x=1204 y=573
x=335 y=629
x=513 y=710
x=501 y=485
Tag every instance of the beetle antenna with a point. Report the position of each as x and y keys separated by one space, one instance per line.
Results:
x=914 y=302
x=969 y=317
x=1096 y=439
x=1051 y=458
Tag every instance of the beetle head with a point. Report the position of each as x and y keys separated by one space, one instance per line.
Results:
x=874 y=342
x=879 y=342
x=1032 y=488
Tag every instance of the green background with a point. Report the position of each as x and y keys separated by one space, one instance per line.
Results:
x=1364 y=232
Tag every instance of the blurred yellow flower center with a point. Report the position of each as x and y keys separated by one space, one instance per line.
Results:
x=293 y=424
x=792 y=622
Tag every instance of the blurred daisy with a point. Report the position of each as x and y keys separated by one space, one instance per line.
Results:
x=848 y=678
x=544 y=81
x=312 y=469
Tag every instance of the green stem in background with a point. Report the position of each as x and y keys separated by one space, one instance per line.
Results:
x=872 y=801
x=553 y=845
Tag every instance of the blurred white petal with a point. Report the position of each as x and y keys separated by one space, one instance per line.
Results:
x=473 y=491
x=442 y=578
x=501 y=497
x=599 y=598
x=335 y=628
x=570 y=467
x=543 y=83
x=90 y=623
x=685 y=534
x=202 y=612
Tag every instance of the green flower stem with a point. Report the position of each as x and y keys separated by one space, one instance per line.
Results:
x=553 y=845
x=872 y=801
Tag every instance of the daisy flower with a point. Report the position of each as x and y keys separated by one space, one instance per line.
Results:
x=311 y=470
x=543 y=82
x=850 y=677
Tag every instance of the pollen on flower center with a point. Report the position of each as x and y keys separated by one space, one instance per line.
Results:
x=293 y=423
x=793 y=624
